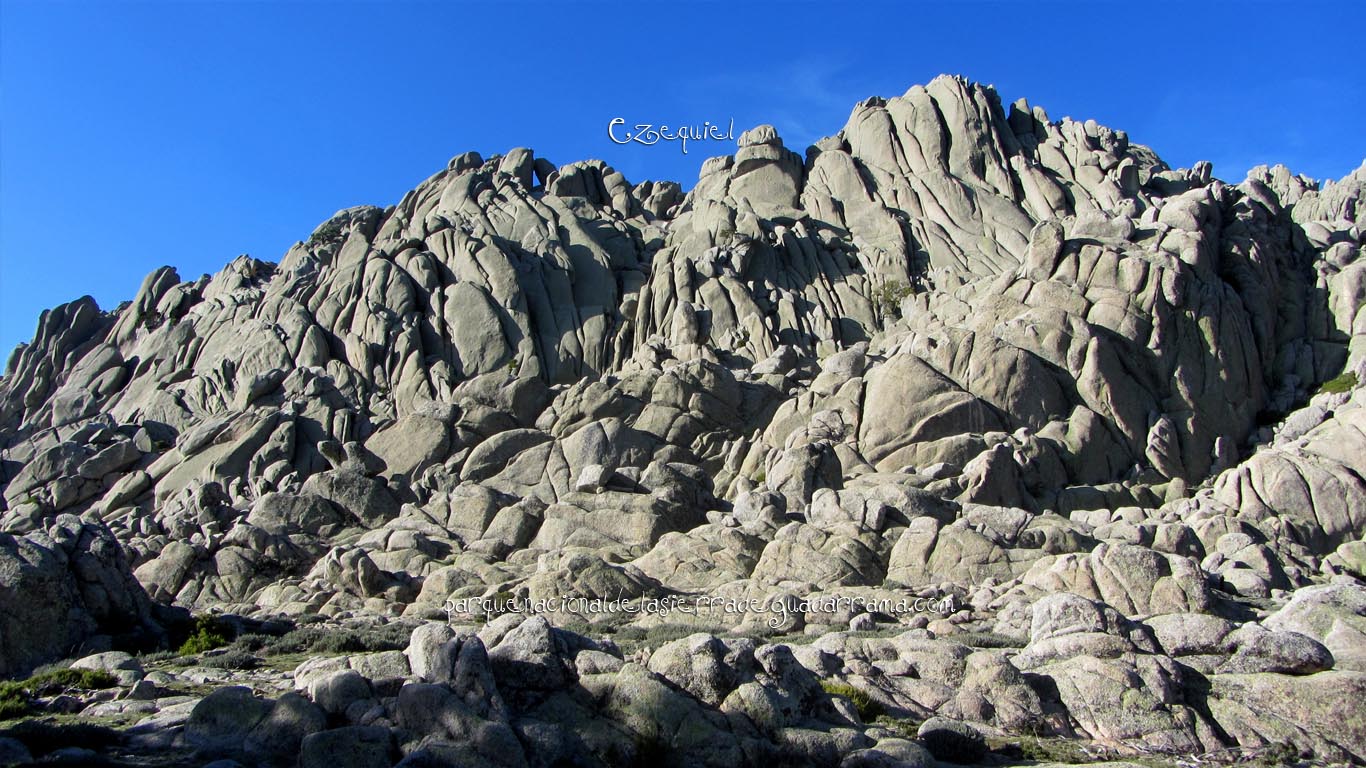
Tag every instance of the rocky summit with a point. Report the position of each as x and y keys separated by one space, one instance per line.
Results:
x=970 y=436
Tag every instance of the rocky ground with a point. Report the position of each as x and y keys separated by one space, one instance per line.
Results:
x=972 y=436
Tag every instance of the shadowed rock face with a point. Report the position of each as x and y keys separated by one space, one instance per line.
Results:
x=67 y=588
x=957 y=349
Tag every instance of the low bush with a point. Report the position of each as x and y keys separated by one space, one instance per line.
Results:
x=868 y=709
x=887 y=298
x=330 y=233
x=232 y=659
x=327 y=640
x=1339 y=384
x=157 y=657
x=207 y=635
x=15 y=694
x=12 y=707
x=985 y=640
x=632 y=638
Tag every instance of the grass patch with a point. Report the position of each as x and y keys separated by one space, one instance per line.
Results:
x=1344 y=382
x=868 y=709
x=285 y=662
x=904 y=729
x=15 y=695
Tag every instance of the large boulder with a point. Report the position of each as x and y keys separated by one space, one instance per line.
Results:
x=531 y=659
x=1319 y=713
x=349 y=747
x=62 y=588
x=1334 y=615
x=1107 y=673
x=704 y=665
x=1132 y=578
x=355 y=495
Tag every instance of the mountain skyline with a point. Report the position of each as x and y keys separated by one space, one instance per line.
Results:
x=980 y=434
x=200 y=132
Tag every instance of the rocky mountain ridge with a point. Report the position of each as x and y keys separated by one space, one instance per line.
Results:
x=1112 y=408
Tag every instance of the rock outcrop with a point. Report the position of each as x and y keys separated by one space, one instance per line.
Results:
x=65 y=589
x=988 y=422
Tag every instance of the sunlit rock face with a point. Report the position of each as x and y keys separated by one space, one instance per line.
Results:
x=965 y=415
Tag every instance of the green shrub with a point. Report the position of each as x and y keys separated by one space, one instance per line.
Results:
x=1052 y=750
x=631 y=638
x=157 y=657
x=868 y=709
x=15 y=694
x=254 y=642
x=1342 y=383
x=1278 y=753
x=330 y=640
x=985 y=640
x=328 y=234
x=233 y=659
x=208 y=634
x=11 y=708
x=887 y=298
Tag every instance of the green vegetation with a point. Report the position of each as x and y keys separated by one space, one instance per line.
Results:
x=330 y=233
x=15 y=695
x=1046 y=750
x=208 y=634
x=904 y=729
x=868 y=709
x=157 y=657
x=739 y=338
x=1277 y=753
x=1343 y=383
x=232 y=659
x=887 y=298
x=319 y=640
x=984 y=640
x=631 y=638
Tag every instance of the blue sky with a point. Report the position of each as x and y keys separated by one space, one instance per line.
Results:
x=134 y=135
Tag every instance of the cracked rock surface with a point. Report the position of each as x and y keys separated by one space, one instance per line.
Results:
x=963 y=435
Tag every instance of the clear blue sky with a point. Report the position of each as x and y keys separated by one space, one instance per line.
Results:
x=134 y=135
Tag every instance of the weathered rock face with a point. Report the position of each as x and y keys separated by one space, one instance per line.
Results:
x=66 y=588
x=1108 y=412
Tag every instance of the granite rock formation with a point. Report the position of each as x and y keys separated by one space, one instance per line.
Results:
x=1107 y=414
